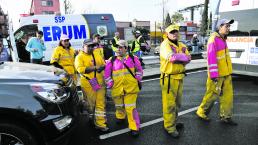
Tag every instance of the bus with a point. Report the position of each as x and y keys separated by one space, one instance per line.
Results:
x=77 y=27
x=243 y=38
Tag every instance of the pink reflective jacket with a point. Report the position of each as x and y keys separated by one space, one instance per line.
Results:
x=219 y=62
x=119 y=77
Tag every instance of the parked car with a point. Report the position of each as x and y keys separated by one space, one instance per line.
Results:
x=38 y=104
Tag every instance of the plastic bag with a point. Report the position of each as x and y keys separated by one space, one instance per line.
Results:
x=94 y=84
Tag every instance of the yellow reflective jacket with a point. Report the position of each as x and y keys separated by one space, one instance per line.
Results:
x=176 y=70
x=84 y=60
x=65 y=58
x=99 y=50
x=137 y=44
x=113 y=47
x=219 y=62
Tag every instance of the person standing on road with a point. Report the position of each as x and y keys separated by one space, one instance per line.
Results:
x=195 y=40
x=139 y=46
x=90 y=64
x=123 y=74
x=173 y=58
x=36 y=47
x=114 y=42
x=98 y=47
x=4 y=55
x=63 y=57
x=219 y=81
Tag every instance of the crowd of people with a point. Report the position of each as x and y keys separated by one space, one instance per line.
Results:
x=123 y=72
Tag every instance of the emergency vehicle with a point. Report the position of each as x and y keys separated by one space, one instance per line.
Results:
x=243 y=38
x=77 y=27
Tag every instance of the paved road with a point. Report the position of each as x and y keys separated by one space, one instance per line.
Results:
x=196 y=132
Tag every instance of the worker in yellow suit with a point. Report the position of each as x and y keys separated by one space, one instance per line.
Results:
x=90 y=64
x=123 y=74
x=63 y=57
x=99 y=48
x=173 y=58
x=219 y=81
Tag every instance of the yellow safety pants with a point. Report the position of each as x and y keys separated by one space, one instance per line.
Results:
x=97 y=104
x=222 y=89
x=126 y=106
x=172 y=90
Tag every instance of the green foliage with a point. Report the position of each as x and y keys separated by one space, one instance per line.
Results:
x=204 y=24
x=143 y=30
x=177 y=17
x=168 y=20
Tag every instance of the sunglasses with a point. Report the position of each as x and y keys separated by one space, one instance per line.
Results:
x=173 y=32
x=67 y=40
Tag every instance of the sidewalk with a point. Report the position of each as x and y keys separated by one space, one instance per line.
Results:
x=153 y=70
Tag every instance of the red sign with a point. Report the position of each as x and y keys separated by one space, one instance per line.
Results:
x=235 y=2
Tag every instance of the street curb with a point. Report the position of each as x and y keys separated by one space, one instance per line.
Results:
x=158 y=75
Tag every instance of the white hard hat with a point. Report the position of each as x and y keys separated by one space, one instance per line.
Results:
x=137 y=32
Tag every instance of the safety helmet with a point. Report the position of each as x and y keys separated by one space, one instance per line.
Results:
x=171 y=28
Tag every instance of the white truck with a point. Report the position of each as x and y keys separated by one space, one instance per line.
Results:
x=243 y=38
x=77 y=27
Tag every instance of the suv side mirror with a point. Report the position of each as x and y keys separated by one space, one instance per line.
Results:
x=256 y=42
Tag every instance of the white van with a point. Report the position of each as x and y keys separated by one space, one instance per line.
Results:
x=243 y=38
x=78 y=28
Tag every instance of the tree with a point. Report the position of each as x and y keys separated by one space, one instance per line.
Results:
x=168 y=20
x=204 y=24
x=68 y=7
x=177 y=17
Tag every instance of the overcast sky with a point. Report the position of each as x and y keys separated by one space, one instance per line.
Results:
x=123 y=10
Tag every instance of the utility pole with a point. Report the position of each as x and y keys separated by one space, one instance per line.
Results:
x=163 y=11
x=216 y=17
x=191 y=8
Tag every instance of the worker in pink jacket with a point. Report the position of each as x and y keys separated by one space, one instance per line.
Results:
x=219 y=81
x=123 y=74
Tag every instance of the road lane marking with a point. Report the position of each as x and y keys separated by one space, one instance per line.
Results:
x=186 y=73
x=122 y=131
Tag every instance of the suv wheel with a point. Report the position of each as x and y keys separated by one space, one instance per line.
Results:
x=11 y=134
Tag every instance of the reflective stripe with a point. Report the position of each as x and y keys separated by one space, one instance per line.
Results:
x=211 y=65
x=109 y=78
x=138 y=73
x=102 y=115
x=213 y=70
x=119 y=105
x=130 y=105
x=100 y=112
x=108 y=81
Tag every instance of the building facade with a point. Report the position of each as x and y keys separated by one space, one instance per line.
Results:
x=3 y=24
x=44 y=7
